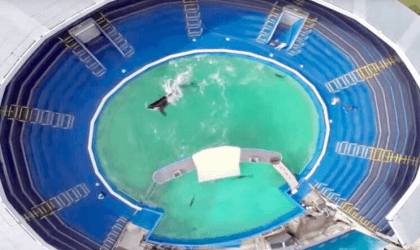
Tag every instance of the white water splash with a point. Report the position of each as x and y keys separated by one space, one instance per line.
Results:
x=216 y=77
x=200 y=57
x=212 y=61
x=249 y=79
x=202 y=86
x=173 y=87
x=225 y=130
x=231 y=70
x=173 y=63
x=154 y=128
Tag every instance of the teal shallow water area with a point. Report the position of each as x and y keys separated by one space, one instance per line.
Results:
x=223 y=100
x=352 y=241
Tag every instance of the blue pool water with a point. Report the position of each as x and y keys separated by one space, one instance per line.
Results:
x=352 y=241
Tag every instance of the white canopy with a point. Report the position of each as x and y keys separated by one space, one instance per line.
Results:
x=217 y=163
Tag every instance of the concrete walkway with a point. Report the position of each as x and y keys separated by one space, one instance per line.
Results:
x=287 y=175
x=247 y=155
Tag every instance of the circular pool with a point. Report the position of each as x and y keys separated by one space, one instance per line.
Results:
x=224 y=99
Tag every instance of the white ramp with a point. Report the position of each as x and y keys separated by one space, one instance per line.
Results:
x=287 y=175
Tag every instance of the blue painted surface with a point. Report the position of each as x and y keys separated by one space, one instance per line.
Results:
x=146 y=218
x=378 y=200
x=65 y=85
x=352 y=241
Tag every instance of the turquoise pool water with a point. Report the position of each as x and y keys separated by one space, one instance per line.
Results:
x=352 y=241
x=224 y=100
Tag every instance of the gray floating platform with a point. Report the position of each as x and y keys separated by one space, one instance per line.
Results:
x=187 y=165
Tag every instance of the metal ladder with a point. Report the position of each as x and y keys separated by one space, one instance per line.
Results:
x=70 y=196
x=115 y=233
x=343 y=82
x=16 y=112
x=58 y=202
x=299 y=3
x=193 y=18
x=115 y=37
x=329 y=193
x=54 y=119
x=84 y=55
x=37 y=116
x=270 y=24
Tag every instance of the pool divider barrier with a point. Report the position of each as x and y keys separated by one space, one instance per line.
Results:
x=37 y=116
x=57 y=203
x=361 y=74
x=375 y=154
x=193 y=18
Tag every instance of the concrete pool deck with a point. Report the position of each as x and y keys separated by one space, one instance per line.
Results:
x=186 y=165
x=246 y=155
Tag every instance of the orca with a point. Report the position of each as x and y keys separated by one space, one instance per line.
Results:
x=245 y=176
x=175 y=94
x=160 y=105
x=192 y=201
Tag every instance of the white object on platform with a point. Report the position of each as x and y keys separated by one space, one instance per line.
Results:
x=217 y=163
